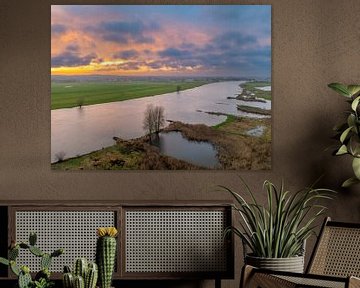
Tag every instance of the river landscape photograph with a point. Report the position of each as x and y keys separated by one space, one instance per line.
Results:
x=161 y=87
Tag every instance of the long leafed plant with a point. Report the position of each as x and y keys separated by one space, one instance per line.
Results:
x=280 y=229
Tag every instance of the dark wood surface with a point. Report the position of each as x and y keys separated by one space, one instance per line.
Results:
x=125 y=283
x=105 y=203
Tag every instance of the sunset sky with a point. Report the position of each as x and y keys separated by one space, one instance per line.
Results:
x=176 y=40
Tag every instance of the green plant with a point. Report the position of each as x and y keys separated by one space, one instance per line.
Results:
x=80 y=268
x=91 y=276
x=85 y=275
x=349 y=132
x=68 y=278
x=105 y=254
x=279 y=229
x=42 y=278
x=79 y=282
x=43 y=283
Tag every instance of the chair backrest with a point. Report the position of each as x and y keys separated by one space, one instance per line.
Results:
x=337 y=251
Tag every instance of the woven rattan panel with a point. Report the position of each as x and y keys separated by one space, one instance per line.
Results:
x=338 y=253
x=75 y=231
x=175 y=241
x=268 y=280
x=311 y=282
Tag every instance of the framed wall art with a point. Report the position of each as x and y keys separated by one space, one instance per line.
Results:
x=154 y=87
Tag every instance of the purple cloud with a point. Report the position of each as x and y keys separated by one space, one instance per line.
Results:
x=70 y=59
x=126 y=54
x=57 y=29
x=124 y=32
x=175 y=53
x=72 y=48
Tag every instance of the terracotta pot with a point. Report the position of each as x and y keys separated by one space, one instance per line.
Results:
x=291 y=264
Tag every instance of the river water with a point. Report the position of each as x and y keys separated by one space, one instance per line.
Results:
x=77 y=131
x=199 y=153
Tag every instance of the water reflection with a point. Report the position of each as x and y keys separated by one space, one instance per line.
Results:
x=199 y=153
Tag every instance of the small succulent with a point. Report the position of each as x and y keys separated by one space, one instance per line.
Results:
x=42 y=283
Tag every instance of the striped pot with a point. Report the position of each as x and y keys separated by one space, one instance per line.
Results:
x=291 y=264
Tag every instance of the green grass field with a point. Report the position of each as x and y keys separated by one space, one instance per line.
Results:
x=251 y=86
x=67 y=95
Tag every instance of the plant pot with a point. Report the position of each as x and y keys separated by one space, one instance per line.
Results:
x=291 y=264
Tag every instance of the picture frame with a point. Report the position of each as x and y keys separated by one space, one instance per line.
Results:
x=161 y=87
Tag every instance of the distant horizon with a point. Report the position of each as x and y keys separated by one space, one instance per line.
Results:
x=161 y=40
x=169 y=76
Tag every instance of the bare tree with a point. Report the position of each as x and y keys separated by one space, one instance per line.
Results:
x=159 y=118
x=154 y=119
x=148 y=122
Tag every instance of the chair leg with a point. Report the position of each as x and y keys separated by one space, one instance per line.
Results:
x=246 y=273
x=217 y=283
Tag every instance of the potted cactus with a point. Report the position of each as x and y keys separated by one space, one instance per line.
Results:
x=106 y=254
x=42 y=278
x=84 y=275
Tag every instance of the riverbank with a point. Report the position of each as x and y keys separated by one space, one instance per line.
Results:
x=236 y=149
x=254 y=110
x=78 y=94
x=251 y=92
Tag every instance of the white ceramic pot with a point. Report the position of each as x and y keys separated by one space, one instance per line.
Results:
x=291 y=264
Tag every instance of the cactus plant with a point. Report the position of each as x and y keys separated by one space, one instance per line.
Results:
x=68 y=280
x=32 y=239
x=105 y=254
x=91 y=276
x=14 y=268
x=36 y=251
x=13 y=253
x=24 y=277
x=57 y=253
x=79 y=282
x=45 y=261
x=84 y=274
x=42 y=278
x=43 y=274
x=80 y=268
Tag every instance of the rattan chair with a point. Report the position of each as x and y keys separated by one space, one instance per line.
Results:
x=334 y=263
